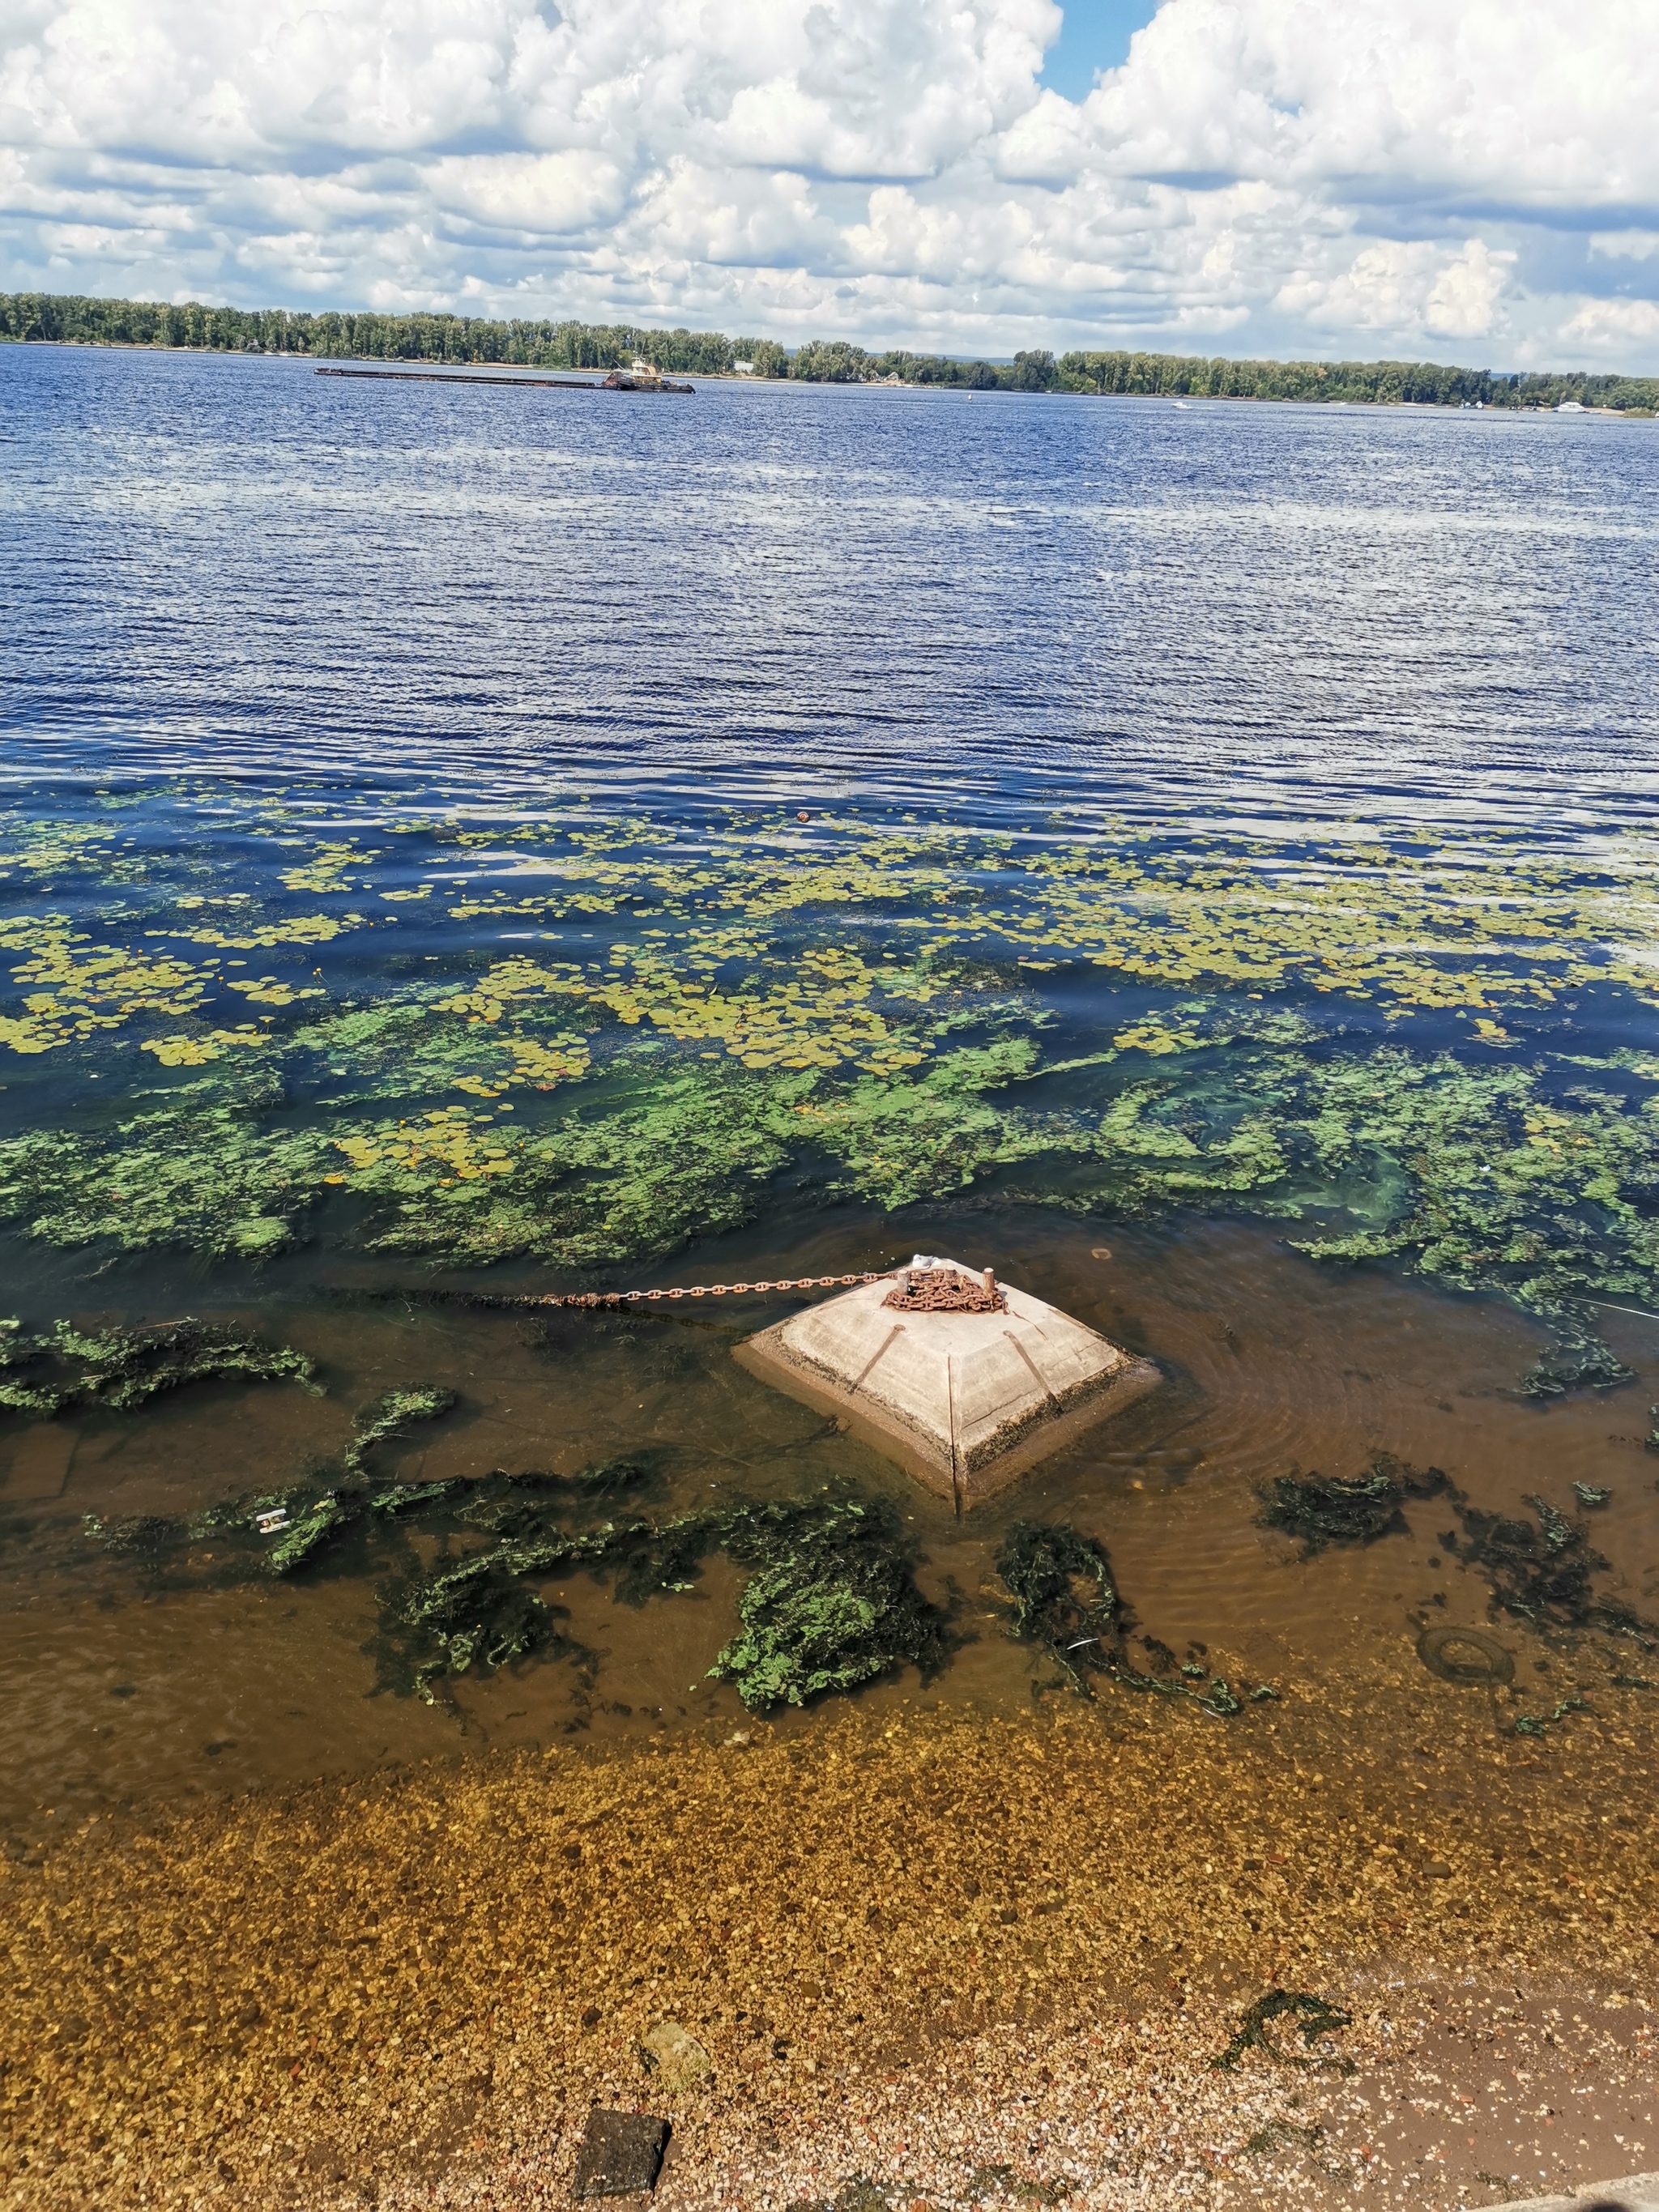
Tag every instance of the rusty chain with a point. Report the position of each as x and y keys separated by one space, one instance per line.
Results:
x=600 y=1298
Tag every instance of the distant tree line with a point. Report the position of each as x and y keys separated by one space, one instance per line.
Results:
x=72 y=320
x=1371 y=382
x=68 y=321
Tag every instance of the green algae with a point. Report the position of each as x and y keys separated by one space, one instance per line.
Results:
x=123 y=1369
x=1578 y=1360
x=1322 y=1509
x=479 y=1611
x=1541 y=1570
x=1313 y=2018
x=621 y=1475
x=1540 y=1723
x=1061 y=1596
x=708 y=1015
x=393 y=1416
x=413 y=1496
x=831 y=1603
x=1458 y=1186
x=315 y=1529
x=147 y=1536
x=1284 y=2135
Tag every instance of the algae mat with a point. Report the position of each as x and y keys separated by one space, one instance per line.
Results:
x=411 y=1990
x=580 y=1038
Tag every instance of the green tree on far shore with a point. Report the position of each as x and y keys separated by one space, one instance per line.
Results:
x=72 y=319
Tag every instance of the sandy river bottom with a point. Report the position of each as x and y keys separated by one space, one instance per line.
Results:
x=934 y=1958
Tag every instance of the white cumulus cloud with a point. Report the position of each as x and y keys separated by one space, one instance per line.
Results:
x=1468 y=179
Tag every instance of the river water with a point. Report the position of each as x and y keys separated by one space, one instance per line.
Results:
x=527 y=840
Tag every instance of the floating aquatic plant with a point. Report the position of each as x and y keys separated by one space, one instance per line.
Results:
x=867 y=1011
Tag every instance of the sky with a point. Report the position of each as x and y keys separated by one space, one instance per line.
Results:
x=1467 y=180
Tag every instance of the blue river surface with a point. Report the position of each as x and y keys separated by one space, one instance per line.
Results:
x=1198 y=858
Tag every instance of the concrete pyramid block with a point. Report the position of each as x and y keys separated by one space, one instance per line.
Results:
x=965 y=1399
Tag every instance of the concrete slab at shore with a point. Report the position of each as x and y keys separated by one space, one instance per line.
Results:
x=1640 y=2193
x=964 y=1400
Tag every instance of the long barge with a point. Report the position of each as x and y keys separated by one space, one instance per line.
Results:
x=618 y=380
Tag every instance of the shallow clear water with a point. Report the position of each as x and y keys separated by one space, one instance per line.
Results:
x=554 y=840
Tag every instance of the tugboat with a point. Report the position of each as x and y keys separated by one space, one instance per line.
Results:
x=642 y=377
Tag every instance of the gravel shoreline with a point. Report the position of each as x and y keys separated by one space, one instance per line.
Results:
x=932 y=1959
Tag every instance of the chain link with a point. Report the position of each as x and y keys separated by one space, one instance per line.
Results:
x=614 y=1298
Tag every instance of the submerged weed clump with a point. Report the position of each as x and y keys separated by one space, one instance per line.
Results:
x=1313 y=2018
x=1540 y=1723
x=393 y=1416
x=122 y=1369
x=476 y=1611
x=1541 y=1570
x=624 y=1475
x=831 y=1601
x=300 y=1538
x=1322 y=1509
x=1578 y=1360
x=323 y=1519
x=1061 y=1596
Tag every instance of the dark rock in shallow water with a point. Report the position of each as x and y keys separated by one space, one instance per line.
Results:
x=621 y=2154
